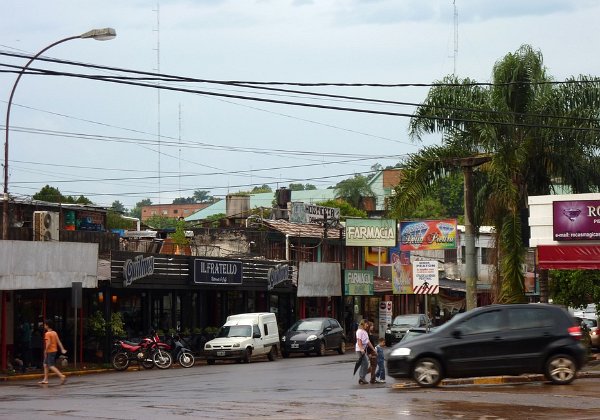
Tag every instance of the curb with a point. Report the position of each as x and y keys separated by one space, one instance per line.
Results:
x=38 y=375
x=493 y=380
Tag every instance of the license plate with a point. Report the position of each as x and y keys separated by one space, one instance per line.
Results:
x=220 y=353
x=295 y=346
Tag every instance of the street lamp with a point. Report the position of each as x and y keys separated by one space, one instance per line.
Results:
x=97 y=34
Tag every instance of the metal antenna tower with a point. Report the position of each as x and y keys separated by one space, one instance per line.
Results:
x=158 y=133
x=455 y=34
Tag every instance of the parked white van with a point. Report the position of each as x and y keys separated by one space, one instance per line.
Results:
x=245 y=336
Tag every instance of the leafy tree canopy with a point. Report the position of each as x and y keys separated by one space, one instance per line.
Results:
x=203 y=196
x=352 y=190
x=115 y=221
x=53 y=195
x=575 y=288
x=161 y=222
x=262 y=189
x=302 y=187
x=184 y=200
x=118 y=207
x=137 y=210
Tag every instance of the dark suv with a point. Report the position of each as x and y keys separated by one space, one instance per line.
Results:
x=402 y=323
x=494 y=340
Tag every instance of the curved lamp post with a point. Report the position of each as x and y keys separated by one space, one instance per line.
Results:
x=97 y=34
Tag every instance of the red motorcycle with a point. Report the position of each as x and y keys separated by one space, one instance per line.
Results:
x=148 y=353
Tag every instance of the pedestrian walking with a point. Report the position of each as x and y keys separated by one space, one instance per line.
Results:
x=362 y=344
x=51 y=345
x=372 y=352
x=380 y=374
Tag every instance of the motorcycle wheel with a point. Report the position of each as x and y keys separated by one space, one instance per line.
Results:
x=162 y=359
x=186 y=359
x=147 y=363
x=120 y=361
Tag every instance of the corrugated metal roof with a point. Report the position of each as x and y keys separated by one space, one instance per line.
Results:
x=264 y=200
x=301 y=230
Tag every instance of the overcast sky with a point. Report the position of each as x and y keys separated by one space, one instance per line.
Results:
x=101 y=139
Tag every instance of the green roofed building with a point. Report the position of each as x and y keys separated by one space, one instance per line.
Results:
x=264 y=200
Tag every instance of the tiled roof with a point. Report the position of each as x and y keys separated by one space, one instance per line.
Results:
x=299 y=230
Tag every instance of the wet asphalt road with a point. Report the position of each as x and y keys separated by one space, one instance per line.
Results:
x=296 y=388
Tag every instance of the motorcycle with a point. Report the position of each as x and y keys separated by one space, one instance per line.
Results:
x=148 y=353
x=180 y=353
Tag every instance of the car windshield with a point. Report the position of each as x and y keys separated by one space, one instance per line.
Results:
x=235 y=331
x=307 y=325
x=410 y=320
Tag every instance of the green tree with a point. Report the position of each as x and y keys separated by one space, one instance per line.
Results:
x=184 y=200
x=203 y=196
x=264 y=188
x=538 y=136
x=161 y=222
x=118 y=207
x=575 y=288
x=50 y=194
x=352 y=190
x=136 y=211
x=115 y=221
x=310 y=187
x=296 y=187
x=346 y=209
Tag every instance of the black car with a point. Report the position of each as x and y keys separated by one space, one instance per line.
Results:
x=494 y=340
x=313 y=335
x=402 y=323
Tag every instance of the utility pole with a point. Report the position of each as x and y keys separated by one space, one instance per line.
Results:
x=470 y=269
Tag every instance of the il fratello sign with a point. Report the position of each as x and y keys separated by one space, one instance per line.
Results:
x=371 y=232
x=217 y=271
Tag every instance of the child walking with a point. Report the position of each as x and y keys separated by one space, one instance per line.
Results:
x=380 y=374
x=52 y=344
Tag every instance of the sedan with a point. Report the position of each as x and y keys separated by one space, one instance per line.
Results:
x=313 y=335
x=494 y=340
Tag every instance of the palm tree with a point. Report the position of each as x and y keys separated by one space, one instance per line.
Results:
x=539 y=136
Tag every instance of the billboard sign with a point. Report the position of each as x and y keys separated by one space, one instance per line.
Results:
x=371 y=232
x=576 y=220
x=426 y=280
x=358 y=283
x=428 y=234
x=217 y=271
x=310 y=213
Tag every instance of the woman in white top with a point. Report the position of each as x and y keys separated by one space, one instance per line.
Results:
x=362 y=344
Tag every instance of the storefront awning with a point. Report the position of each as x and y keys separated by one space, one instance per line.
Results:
x=568 y=257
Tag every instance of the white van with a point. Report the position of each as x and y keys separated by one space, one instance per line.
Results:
x=245 y=336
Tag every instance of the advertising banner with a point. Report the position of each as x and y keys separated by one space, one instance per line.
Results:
x=401 y=273
x=217 y=271
x=385 y=316
x=576 y=220
x=428 y=234
x=426 y=279
x=358 y=283
x=311 y=213
x=370 y=232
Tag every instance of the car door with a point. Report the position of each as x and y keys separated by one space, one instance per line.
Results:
x=529 y=333
x=334 y=335
x=258 y=340
x=475 y=345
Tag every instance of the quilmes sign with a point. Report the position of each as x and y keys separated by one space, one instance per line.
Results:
x=371 y=232
x=277 y=274
x=310 y=213
x=137 y=268
x=217 y=271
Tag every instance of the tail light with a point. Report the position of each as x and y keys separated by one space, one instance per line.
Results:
x=575 y=332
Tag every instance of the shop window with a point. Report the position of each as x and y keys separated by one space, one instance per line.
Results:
x=487 y=255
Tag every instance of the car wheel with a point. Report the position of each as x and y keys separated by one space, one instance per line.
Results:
x=561 y=369
x=272 y=354
x=427 y=372
x=321 y=349
x=342 y=348
x=248 y=355
x=210 y=361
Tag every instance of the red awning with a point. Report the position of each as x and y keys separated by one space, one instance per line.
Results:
x=569 y=257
